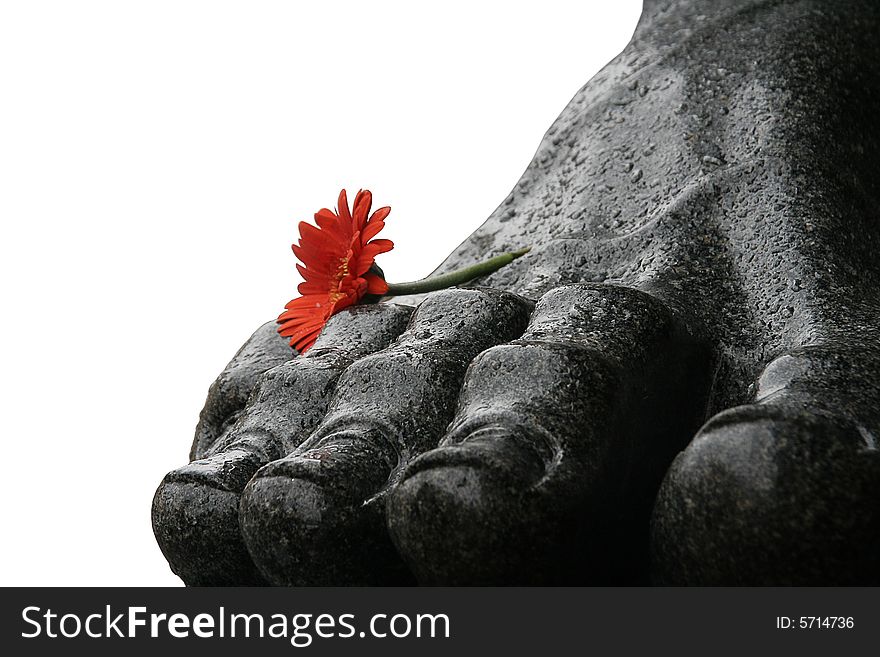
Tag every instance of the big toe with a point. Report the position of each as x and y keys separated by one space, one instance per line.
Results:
x=195 y=520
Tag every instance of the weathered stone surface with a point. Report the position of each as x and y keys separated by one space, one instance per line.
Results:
x=316 y=517
x=704 y=230
x=781 y=491
x=195 y=510
x=557 y=448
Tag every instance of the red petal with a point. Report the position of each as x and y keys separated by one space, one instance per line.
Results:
x=336 y=228
x=311 y=237
x=301 y=311
x=297 y=332
x=376 y=284
x=312 y=275
x=306 y=343
x=299 y=252
x=321 y=267
x=289 y=322
x=304 y=302
x=316 y=290
x=380 y=214
x=371 y=230
x=369 y=253
x=362 y=203
x=327 y=220
x=342 y=207
x=308 y=329
x=355 y=247
x=353 y=297
x=302 y=323
x=383 y=245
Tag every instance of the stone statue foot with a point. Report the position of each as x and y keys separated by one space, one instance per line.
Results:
x=317 y=516
x=781 y=491
x=559 y=442
x=704 y=232
x=259 y=409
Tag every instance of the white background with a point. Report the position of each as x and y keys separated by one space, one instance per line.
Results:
x=155 y=158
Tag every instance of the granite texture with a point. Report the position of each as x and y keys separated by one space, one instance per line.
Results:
x=704 y=225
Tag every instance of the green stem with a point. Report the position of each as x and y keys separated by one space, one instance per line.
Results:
x=458 y=277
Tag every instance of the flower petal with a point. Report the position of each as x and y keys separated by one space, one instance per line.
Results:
x=297 y=332
x=368 y=255
x=380 y=214
x=342 y=207
x=307 y=329
x=316 y=237
x=309 y=274
x=372 y=229
x=290 y=320
x=306 y=342
x=317 y=290
x=362 y=203
x=376 y=284
x=303 y=302
x=327 y=219
x=382 y=244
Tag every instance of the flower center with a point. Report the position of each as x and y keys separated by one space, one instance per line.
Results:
x=336 y=292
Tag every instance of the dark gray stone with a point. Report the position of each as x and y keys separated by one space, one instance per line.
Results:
x=315 y=517
x=704 y=230
x=557 y=448
x=781 y=491
x=195 y=510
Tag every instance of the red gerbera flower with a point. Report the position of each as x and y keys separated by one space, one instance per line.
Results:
x=336 y=259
